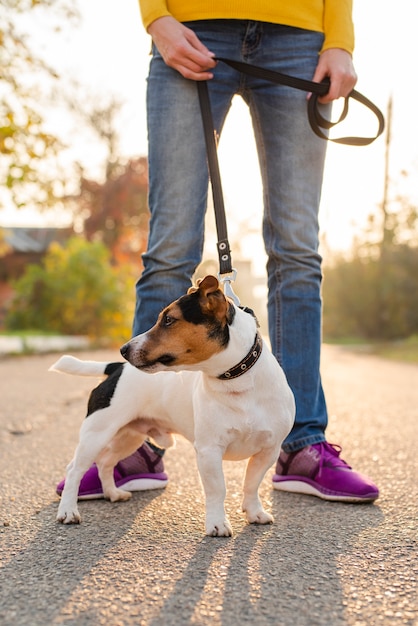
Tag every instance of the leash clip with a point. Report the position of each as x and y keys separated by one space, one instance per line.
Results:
x=225 y=280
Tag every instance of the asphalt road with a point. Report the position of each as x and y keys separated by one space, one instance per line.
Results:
x=146 y=562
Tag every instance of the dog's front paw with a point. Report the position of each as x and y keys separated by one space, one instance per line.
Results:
x=68 y=517
x=220 y=528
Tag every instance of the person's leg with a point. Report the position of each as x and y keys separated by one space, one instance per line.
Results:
x=178 y=184
x=291 y=161
x=178 y=175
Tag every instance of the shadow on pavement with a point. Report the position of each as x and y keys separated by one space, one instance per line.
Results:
x=284 y=573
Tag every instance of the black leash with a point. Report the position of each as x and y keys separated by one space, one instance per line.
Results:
x=224 y=252
x=317 y=122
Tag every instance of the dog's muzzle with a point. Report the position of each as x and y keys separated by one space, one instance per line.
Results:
x=139 y=358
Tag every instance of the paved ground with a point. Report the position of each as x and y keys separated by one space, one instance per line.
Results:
x=147 y=562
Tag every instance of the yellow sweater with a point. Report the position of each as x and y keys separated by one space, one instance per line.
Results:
x=331 y=17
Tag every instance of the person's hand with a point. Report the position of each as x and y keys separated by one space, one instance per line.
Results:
x=181 y=48
x=337 y=65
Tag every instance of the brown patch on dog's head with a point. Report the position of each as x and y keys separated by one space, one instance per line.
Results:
x=187 y=332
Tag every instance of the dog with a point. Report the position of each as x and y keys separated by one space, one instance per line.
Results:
x=203 y=372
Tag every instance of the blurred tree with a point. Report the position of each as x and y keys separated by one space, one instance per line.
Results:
x=113 y=211
x=116 y=211
x=4 y=246
x=24 y=142
x=75 y=291
x=374 y=293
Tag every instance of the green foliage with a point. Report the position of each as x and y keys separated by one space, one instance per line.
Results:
x=374 y=294
x=116 y=212
x=372 y=297
x=75 y=291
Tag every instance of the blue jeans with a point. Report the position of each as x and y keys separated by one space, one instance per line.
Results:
x=291 y=160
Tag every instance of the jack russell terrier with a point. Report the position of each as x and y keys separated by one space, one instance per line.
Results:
x=213 y=381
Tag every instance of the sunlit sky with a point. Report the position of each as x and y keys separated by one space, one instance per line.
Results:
x=109 y=52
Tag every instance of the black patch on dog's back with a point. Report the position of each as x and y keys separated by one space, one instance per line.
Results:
x=112 y=367
x=102 y=395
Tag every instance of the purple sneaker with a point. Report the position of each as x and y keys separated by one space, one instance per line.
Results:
x=317 y=470
x=142 y=470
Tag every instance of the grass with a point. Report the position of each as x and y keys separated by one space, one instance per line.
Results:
x=405 y=350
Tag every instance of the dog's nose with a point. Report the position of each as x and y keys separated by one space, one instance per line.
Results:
x=125 y=350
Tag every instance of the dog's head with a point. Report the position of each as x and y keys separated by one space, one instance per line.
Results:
x=187 y=332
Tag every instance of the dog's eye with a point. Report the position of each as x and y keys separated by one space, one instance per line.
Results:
x=168 y=320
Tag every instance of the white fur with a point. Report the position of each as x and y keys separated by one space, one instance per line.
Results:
x=247 y=417
x=71 y=365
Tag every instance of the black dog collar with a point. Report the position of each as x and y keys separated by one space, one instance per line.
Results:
x=247 y=362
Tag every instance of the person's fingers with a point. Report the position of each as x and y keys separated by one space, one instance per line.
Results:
x=337 y=65
x=181 y=49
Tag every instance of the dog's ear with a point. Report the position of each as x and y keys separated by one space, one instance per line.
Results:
x=205 y=285
x=212 y=298
x=208 y=285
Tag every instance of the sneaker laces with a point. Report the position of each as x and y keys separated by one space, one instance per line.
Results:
x=329 y=456
x=143 y=461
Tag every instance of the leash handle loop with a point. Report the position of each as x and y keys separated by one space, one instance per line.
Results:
x=316 y=120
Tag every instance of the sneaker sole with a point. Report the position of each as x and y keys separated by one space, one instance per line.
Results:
x=136 y=484
x=144 y=484
x=298 y=486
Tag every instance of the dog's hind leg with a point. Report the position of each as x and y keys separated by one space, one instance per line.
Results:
x=94 y=437
x=256 y=468
x=123 y=444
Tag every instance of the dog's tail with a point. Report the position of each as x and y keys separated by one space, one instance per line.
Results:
x=70 y=365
